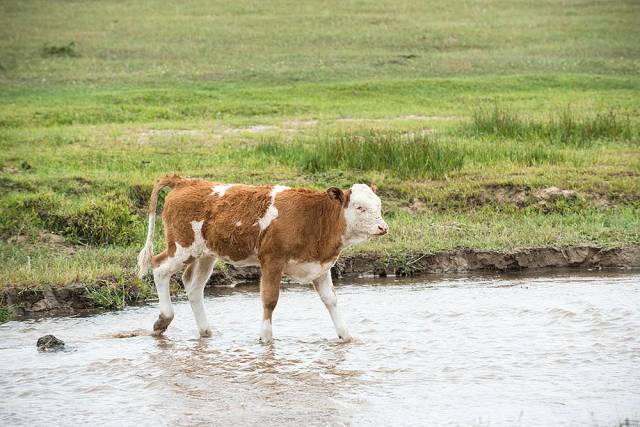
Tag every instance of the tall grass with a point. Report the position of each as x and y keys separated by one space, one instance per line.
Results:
x=563 y=127
x=489 y=154
x=408 y=155
x=404 y=154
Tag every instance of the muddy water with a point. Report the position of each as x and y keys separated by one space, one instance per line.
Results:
x=449 y=350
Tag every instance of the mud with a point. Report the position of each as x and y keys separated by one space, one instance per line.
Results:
x=75 y=298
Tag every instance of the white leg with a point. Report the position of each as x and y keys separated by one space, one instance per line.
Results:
x=324 y=286
x=161 y=278
x=270 y=277
x=195 y=278
x=266 y=332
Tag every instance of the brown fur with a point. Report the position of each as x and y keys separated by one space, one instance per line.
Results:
x=308 y=228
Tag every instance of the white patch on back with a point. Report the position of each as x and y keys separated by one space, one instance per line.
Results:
x=272 y=211
x=220 y=189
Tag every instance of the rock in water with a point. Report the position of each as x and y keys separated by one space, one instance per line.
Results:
x=49 y=343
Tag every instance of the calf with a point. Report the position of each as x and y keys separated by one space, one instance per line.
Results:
x=290 y=231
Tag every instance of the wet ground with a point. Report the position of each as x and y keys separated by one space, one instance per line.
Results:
x=445 y=350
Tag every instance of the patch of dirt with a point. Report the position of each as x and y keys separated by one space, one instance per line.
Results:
x=296 y=124
x=554 y=193
x=251 y=129
x=56 y=241
x=11 y=185
x=12 y=168
x=515 y=195
x=415 y=206
x=44 y=238
x=145 y=136
x=408 y=117
x=9 y=169
x=412 y=117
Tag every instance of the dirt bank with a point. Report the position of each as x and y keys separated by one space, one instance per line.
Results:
x=76 y=298
x=464 y=260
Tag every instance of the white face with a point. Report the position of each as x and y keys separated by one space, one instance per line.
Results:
x=363 y=215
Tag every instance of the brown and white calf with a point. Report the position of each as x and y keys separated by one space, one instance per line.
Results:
x=290 y=231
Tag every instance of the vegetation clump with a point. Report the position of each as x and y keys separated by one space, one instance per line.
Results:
x=564 y=127
x=66 y=50
x=99 y=222
x=116 y=292
x=407 y=155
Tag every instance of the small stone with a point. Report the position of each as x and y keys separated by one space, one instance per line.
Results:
x=49 y=343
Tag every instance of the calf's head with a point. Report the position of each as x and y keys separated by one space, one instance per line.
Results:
x=362 y=213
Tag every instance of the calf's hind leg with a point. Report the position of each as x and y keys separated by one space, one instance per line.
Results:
x=195 y=277
x=164 y=267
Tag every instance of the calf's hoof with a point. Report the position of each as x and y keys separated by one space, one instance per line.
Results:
x=161 y=324
x=346 y=337
x=206 y=333
x=266 y=338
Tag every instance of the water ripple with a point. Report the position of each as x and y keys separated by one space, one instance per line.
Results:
x=456 y=350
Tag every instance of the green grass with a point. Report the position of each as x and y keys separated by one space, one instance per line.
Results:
x=303 y=41
x=560 y=128
x=117 y=292
x=458 y=114
x=405 y=154
x=5 y=313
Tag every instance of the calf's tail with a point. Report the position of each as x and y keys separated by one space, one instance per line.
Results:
x=145 y=255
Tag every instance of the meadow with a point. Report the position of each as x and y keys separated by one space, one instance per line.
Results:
x=461 y=114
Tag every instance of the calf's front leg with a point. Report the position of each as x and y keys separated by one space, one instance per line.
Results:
x=324 y=286
x=270 y=278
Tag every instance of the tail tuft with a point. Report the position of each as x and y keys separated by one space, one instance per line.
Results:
x=144 y=259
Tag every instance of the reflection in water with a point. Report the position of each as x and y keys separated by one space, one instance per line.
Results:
x=461 y=350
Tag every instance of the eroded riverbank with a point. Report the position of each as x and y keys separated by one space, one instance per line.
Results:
x=489 y=349
x=80 y=297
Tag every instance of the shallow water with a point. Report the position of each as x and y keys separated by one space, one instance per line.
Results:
x=446 y=350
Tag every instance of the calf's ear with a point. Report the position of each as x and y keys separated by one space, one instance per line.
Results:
x=336 y=194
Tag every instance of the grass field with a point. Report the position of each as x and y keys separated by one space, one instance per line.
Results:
x=460 y=113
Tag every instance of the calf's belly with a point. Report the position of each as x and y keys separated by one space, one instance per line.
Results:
x=251 y=261
x=306 y=272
